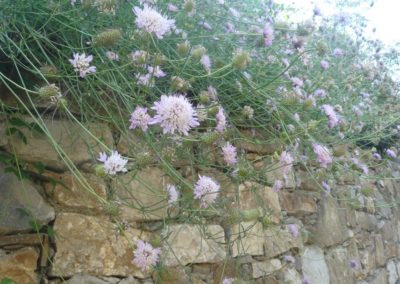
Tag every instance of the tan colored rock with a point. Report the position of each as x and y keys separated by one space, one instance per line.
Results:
x=330 y=228
x=274 y=172
x=142 y=196
x=314 y=266
x=257 y=142
x=380 y=257
x=380 y=277
x=291 y=276
x=247 y=238
x=193 y=244
x=78 y=145
x=265 y=268
x=93 y=246
x=298 y=203
x=278 y=240
x=69 y=192
x=309 y=181
x=337 y=260
x=19 y=265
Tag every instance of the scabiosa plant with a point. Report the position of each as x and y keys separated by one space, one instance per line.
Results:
x=112 y=56
x=230 y=154
x=81 y=64
x=151 y=21
x=278 y=185
x=354 y=264
x=297 y=82
x=173 y=194
x=206 y=62
x=221 y=120
x=114 y=163
x=206 y=190
x=227 y=281
x=293 y=230
x=175 y=114
x=156 y=71
x=286 y=159
x=268 y=33
x=145 y=255
x=324 y=157
x=140 y=118
x=333 y=119
x=391 y=153
x=324 y=64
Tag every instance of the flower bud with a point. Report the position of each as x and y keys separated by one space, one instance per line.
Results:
x=241 y=60
x=198 y=52
x=107 y=38
x=49 y=91
x=183 y=48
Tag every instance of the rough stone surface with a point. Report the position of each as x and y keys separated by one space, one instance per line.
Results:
x=256 y=142
x=330 y=228
x=338 y=263
x=143 y=196
x=392 y=272
x=69 y=192
x=298 y=203
x=20 y=204
x=274 y=172
x=380 y=277
x=77 y=144
x=314 y=265
x=205 y=243
x=308 y=181
x=379 y=250
x=290 y=276
x=265 y=268
x=247 y=239
x=278 y=240
x=19 y=265
x=92 y=245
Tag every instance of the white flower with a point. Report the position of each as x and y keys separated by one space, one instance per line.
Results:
x=81 y=64
x=114 y=163
x=156 y=71
x=206 y=190
x=149 y=20
x=173 y=194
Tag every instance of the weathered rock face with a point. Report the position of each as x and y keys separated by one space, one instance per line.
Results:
x=330 y=228
x=21 y=204
x=278 y=240
x=78 y=145
x=258 y=143
x=247 y=239
x=92 y=245
x=314 y=265
x=265 y=268
x=68 y=192
x=298 y=203
x=206 y=245
x=3 y=137
x=19 y=265
x=145 y=190
x=338 y=264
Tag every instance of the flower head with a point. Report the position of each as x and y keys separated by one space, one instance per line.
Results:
x=331 y=114
x=206 y=62
x=268 y=33
x=297 y=82
x=324 y=157
x=354 y=264
x=278 y=185
x=324 y=64
x=229 y=152
x=206 y=190
x=228 y=281
x=294 y=230
x=156 y=71
x=175 y=113
x=391 y=153
x=338 y=52
x=221 y=120
x=145 y=255
x=81 y=64
x=112 y=56
x=113 y=163
x=149 y=20
x=140 y=118
x=286 y=159
x=173 y=194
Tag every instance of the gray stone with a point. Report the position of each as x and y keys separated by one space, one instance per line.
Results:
x=78 y=145
x=379 y=250
x=19 y=265
x=88 y=279
x=278 y=240
x=290 y=276
x=247 y=239
x=338 y=263
x=93 y=246
x=21 y=204
x=193 y=244
x=265 y=268
x=380 y=277
x=314 y=265
x=392 y=272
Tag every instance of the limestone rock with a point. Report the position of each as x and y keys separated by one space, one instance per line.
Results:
x=338 y=263
x=290 y=276
x=78 y=145
x=314 y=265
x=143 y=196
x=380 y=277
x=330 y=228
x=247 y=239
x=259 y=143
x=380 y=257
x=19 y=265
x=92 y=245
x=192 y=244
x=87 y=279
x=392 y=272
x=20 y=204
x=278 y=240
x=69 y=192
x=298 y=203
x=265 y=268
x=274 y=172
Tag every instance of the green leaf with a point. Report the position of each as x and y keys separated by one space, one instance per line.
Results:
x=7 y=281
x=17 y=121
x=36 y=127
x=51 y=232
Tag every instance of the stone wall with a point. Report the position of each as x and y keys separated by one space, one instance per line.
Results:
x=55 y=228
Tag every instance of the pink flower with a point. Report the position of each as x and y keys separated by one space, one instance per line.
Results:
x=175 y=113
x=173 y=194
x=286 y=159
x=294 y=231
x=324 y=157
x=326 y=186
x=206 y=62
x=156 y=71
x=278 y=185
x=113 y=163
x=145 y=255
x=391 y=153
x=112 y=56
x=221 y=120
x=145 y=80
x=297 y=82
x=268 y=33
x=81 y=64
x=337 y=52
x=228 y=281
x=229 y=152
x=333 y=120
x=324 y=64
x=151 y=21
x=140 y=118
x=172 y=7
x=206 y=190
x=289 y=258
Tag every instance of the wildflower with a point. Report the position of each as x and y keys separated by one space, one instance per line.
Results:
x=333 y=120
x=324 y=157
x=140 y=118
x=156 y=71
x=172 y=7
x=81 y=64
x=268 y=33
x=206 y=190
x=354 y=264
x=294 y=230
x=145 y=80
x=377 y=156
x=296 y=117
x=228 y=280
x=139 y=57
x=173 y=194
x=107 y=38
x=151 y=21
x=113 y=163
x=206 y=62
x=241 y=59
x=320 y=93
x=297 y=82
x=201 y=113
x=286 y=159
x=179 y=84
x=112 y=56
x=289 y=258
x=145 y=255
x=278 y=185
x=183 y=48
x=221 y=120
x=175 y=113
x=229 y=152
x=391 y=153
x=326 y=186
x=337 y=52
x=49 y=91
x=248 y=112
x=198 y=51
x=324 y=64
